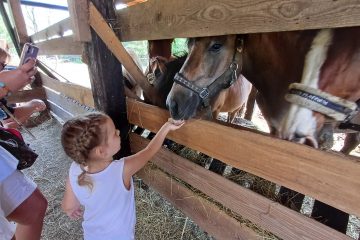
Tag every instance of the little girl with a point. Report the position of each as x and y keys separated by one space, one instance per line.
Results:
x=102 y=185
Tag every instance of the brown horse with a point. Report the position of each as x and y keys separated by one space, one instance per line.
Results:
x=272 y=61
x=160 y=74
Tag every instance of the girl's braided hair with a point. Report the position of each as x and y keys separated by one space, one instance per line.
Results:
x=79 y=136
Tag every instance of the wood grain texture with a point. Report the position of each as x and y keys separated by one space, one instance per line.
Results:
x=207 y=215
x=67 y=105
x=81 y=94
x=60 y=46
x=163 y=19
x=283 y=222
x=108 y=36
x=327 y=177
x=19 y=21
x=106 y=78
x=79 y=13
x=56 y=30
x=26 y=95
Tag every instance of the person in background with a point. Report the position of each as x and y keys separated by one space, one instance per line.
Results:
x=103 y=186
x=21 y=202
x=22 y=112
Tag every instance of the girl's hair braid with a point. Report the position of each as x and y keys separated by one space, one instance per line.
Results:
x=80 y=135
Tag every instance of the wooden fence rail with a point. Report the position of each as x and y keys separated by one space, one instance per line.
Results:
x=327 y=177
x=163 y=19
x=283 y=222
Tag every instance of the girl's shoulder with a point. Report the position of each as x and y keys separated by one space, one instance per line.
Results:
x=118 y=163
x=75 y=169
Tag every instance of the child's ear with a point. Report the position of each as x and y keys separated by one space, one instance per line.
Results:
x=99 y=152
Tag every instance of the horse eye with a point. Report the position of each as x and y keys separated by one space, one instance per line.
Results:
x=215 y=47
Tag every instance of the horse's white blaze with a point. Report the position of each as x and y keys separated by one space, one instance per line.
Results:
x=301 y=120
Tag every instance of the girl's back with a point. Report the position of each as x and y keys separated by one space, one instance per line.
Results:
x=109 y=206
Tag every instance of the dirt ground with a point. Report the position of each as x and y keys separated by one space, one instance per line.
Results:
x=156 y=218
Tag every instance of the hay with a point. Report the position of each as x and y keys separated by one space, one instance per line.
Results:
x=156 y=218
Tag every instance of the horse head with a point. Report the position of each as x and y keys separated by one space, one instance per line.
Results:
x=212 y=65
x=329 y=86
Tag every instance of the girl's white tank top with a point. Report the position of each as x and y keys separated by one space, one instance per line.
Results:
x=109 y=208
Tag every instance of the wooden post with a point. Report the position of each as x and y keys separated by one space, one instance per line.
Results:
x=106 y=79
x=19 y=21
x=9 y=28
x=79 y=13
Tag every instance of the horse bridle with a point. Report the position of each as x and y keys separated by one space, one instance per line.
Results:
x=225 y=80
x=316 y=100
x=151 y=76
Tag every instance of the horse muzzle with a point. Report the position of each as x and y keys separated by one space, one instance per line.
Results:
x=182 y=106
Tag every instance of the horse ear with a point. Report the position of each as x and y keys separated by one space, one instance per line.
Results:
x=239 y=44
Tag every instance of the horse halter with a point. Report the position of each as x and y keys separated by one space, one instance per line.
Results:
x=225 y=80
x=154 y=74
x=316 y=100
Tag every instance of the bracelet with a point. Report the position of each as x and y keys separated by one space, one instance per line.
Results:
x=5 y=88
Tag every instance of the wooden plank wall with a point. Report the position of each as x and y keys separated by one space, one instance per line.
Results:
x=284 y=222
x=66 y=100
x=327 y=177
x=163 y=19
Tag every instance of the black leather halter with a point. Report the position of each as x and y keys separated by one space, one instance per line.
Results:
x=225 y=80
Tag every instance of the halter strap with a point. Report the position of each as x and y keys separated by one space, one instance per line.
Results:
x=325 y=103
x=225 y=80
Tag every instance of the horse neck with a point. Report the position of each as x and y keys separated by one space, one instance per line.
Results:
x=271 y=62
x=160 y=48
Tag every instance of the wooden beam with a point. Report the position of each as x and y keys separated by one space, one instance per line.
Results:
x=71 y=107
x=282 y=221
x=163 y=19
x=60 y=46
x=27 y=95
x=61 y=114
x=206 y=214
x=81 y=94
x=325 y=176
x=18 y=18
x=101 y=27
x=56 y=30
x=107 y=81
x=79 y=12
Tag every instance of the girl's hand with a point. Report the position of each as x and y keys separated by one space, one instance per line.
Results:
x=175 y=124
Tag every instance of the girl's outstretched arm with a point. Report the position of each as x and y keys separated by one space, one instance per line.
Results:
x=70 y=204
x=137 y=161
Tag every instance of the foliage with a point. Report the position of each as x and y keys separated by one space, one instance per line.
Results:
x=179 y=46
x=6 y=36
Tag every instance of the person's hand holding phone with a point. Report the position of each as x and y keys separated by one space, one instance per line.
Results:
x=18 y=78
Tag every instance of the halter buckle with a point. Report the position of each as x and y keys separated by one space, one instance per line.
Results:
x=204 y=93
x=234 y=66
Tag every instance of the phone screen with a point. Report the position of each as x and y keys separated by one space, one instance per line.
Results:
x=29 y=52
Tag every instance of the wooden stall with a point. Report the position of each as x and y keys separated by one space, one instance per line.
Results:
x=333 y=179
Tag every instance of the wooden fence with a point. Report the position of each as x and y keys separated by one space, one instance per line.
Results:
x=333 y=179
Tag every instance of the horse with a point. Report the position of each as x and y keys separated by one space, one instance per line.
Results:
x=160 y=75
x=131 y=87
x=271 y=62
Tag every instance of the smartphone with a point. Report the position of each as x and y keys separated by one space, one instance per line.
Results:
x=29 y=51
